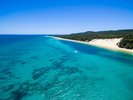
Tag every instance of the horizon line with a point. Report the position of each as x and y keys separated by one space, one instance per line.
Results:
x=62 y=33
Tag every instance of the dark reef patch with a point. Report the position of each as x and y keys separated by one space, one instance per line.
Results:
x=8 y=88
x=6 y=73
x=2 y=78
x=20 y=92
x=69 y=70
x=58 y=66
x=18 y=95
x=40 y=72
x=24 y=62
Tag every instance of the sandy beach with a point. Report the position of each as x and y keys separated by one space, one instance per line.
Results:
x=110 y=44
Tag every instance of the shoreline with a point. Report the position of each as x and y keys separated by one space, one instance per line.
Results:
x=109 y=44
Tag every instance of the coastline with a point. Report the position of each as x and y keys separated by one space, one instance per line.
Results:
x=110 y=44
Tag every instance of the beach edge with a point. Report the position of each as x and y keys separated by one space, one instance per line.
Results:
x=123 y=50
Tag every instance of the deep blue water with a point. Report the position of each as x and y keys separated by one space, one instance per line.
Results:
x=7 y=39
x=43 y=68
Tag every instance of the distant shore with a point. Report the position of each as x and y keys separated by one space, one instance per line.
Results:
x=110 y=44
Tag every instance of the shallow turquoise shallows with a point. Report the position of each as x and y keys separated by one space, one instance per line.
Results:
x=44 y=68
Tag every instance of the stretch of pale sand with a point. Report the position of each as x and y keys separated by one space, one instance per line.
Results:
x=110 y=44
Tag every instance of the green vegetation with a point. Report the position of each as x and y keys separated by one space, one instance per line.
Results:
x=126 y=35
x=127 y=42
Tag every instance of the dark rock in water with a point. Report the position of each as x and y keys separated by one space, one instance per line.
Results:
x=3 y=78
x=23 y=63
x=40 y=72
x=57 y=65
x=69 y=70
x=25 y=89
x=20 y=92
x=36 y=76
x=8 y=73
x=9 y=88
x=4 y=70
x=18 y=95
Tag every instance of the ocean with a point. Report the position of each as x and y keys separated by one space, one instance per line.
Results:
x=37 y=67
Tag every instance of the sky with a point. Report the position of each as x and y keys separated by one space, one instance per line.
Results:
x=64 y=16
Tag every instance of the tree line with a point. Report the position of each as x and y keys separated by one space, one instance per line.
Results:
x=126 y=35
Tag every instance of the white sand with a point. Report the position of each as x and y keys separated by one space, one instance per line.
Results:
x=110 y=44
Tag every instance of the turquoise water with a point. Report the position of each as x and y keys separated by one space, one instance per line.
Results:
x=43 y=68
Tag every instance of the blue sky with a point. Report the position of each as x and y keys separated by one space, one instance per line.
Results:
x=64 y=16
